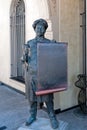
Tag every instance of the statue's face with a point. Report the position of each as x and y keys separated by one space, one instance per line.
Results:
x=40 y=30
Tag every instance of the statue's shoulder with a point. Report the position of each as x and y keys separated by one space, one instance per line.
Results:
x=30 y=42
x=50 y=41
x=47 y=40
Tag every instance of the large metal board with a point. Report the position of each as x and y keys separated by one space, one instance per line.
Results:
x=52 y=67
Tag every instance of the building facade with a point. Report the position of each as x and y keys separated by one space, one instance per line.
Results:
x=64 y=19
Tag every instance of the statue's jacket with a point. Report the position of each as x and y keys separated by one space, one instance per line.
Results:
x=31 y=80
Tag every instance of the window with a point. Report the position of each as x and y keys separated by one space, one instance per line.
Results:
x=17 y=27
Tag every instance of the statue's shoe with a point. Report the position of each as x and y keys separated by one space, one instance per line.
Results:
x=30 y=121
x=54 y=123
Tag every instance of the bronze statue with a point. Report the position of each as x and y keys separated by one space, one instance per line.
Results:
x=30 y=58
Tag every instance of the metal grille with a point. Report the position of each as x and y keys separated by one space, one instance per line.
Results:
x=17 y=20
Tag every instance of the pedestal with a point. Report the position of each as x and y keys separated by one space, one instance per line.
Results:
x=43 y=124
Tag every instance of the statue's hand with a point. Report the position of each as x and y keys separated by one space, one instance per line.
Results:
x=22 y=59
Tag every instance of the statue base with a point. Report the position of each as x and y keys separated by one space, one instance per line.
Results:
x=43 y=124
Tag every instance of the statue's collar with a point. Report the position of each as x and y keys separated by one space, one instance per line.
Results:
x=39 y=38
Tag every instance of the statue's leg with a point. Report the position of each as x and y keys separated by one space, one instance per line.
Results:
x=52 y=116
x=33 y=113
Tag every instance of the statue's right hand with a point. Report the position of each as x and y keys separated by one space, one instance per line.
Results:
x=22 y=59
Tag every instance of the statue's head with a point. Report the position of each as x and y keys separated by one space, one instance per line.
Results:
x=40 y=26
x=40 y=22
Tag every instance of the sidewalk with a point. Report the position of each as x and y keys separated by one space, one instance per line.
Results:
x=14 y=111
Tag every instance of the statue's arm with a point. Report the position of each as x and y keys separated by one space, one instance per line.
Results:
x=24 y=57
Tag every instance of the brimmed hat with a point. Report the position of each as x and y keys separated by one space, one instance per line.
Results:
x=40 y=21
